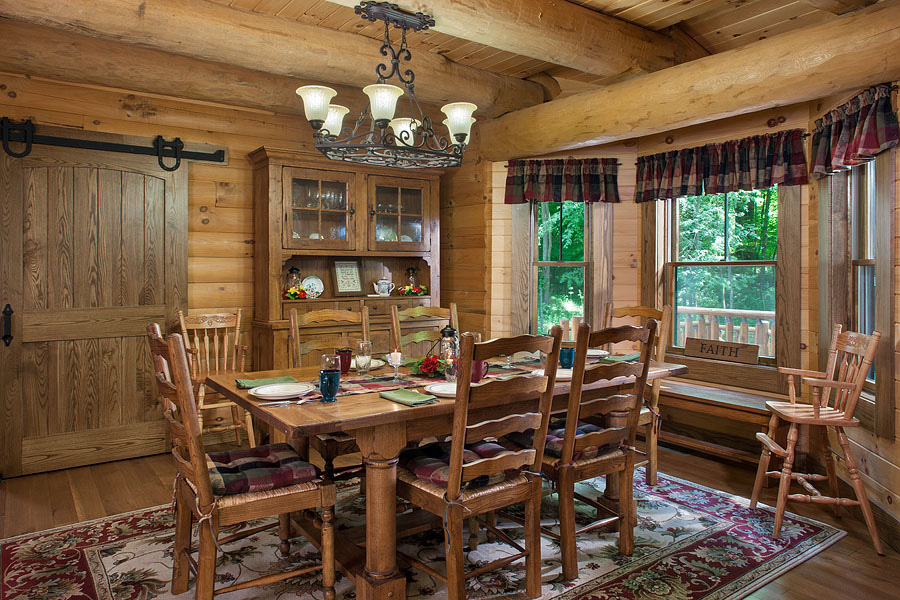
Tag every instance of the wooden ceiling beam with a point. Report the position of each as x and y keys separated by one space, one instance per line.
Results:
x=853 y=51
x=269 y=44
x=60 y=55
x=556 y=31
x=839 y=7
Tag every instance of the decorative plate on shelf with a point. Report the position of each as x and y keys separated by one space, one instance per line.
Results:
x=313 y=286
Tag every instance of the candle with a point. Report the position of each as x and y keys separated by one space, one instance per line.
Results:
x=396 y=357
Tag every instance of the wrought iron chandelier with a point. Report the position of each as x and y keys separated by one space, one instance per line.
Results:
x=405 y=142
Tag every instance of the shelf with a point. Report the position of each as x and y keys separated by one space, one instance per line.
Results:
x=287 y=253
x=355 y=298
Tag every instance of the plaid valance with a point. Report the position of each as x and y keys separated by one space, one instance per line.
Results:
x=855 y=132
x=756 y=162
x=557 y=180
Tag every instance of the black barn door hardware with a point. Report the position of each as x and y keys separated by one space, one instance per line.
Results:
x=25 y=133
x=7 y=325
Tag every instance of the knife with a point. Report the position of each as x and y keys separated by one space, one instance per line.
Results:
x=284 y=402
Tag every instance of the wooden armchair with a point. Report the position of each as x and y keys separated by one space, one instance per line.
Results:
x=479 y=476
x=587 y=451
x=410 y=315
x=328 y=445
x=650 y=419
x=211 y=488
x=835 y=393
x=213 y=345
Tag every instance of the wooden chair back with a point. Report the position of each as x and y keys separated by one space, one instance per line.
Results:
x=585 y=403
x=663 y=318
x=213 y=342
x=419 y=312
x=850 y=357
x=325 y=317
x=174 y=383
x=494 y=395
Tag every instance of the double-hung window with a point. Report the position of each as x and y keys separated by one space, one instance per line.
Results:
x=862 y=226
x=722 y=268
x=560 y=262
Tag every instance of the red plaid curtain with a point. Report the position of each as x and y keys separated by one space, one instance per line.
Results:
x=755 y=162
x=558 y=180
x=855 y=132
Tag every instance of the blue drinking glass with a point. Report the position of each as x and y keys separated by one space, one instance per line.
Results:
x=329 y=383
x=566 y=357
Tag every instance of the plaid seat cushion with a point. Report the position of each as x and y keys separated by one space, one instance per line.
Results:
x=432 y=463
x=257 y=469
x=556 y=433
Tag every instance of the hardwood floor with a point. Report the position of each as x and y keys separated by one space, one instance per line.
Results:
x=849 y=569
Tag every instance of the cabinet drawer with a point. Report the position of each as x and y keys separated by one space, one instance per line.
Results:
x=305 y=306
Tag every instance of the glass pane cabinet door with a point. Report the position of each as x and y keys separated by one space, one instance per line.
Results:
x=319 y=209
x=398 y=214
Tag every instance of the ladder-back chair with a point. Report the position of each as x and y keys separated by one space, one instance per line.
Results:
x=650 y=418
x=215 y=488
x=328 y=445
x=213 y=343
x=835 y=393
x=411 y=315
x=583 y=451
x=476 y=476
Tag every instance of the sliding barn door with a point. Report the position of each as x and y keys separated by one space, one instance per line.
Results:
x=92 y=248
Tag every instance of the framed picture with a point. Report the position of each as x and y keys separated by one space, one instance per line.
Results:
x=346 y=278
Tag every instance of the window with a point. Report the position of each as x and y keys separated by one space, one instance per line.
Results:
x=722 y=267
x=862 y=226
x=560 y=262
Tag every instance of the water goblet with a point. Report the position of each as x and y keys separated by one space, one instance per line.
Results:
x=363 y=357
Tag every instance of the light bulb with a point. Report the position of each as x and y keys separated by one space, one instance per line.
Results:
x=404 y=125
x=335 y=119
x=459 y=119
x=315 y=103
x=382 y=102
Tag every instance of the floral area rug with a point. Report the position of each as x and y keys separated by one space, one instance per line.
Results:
x=692 y=542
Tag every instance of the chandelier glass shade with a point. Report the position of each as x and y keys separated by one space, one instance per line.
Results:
x=379 y=136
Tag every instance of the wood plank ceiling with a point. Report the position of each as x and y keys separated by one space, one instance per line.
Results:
x=718 y=25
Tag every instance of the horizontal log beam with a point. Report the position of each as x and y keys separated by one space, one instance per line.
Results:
x=63 y=56
x=839 y=7
x=556 y=31
x=270 y=44
x=850 y=52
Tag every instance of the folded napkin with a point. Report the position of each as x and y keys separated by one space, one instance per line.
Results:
x=617 y=358
x=246 y=384
x=408 y=397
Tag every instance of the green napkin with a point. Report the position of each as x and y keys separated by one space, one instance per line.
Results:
x=408 y=397
x=617 y=358
x=246 y=384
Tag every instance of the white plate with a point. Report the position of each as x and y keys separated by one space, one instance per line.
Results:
x=561 y=374
x=376 y=363
x=596 y=353
x=313 y=286
x=446 y=389
x=281 y=391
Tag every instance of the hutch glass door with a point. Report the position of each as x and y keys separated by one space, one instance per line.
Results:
x=398 y=214
x=319 y=209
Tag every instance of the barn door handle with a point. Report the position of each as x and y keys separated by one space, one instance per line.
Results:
x=7 y=325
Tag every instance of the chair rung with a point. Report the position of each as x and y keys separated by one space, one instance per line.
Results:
x=500 y=562
x=822 y=500
x=597 y=525
x=267 y=579
x=422 y=566
x=771 y=445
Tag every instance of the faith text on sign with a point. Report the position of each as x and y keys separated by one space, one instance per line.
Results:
x=728 y=351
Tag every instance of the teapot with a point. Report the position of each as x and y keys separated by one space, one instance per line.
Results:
x=383 y=287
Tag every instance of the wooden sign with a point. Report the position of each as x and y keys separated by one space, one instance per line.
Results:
x=727 y=351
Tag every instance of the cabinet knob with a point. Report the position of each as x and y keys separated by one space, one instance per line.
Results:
x=372 y=212
x=352 y=210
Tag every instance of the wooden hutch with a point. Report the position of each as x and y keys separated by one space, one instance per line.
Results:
x=311 y=212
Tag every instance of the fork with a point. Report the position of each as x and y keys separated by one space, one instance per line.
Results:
x=284 y=402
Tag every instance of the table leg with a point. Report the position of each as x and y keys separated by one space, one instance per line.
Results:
x=380 y=447
x=611 y=493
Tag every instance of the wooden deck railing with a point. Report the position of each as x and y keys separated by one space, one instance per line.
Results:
x=729 y=325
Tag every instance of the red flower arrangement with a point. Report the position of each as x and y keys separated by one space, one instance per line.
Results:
x=413 y=290
x=430 y=366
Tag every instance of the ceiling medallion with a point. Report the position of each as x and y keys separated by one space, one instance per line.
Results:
x=407 y=142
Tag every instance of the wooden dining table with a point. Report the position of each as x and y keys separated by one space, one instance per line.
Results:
x=382 y=429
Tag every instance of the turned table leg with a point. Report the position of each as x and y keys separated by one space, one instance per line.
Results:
x=611 y=493
x=380 y=446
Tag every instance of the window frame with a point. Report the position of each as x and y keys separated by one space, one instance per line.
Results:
x=535 y=265
x=671 y=267
x=655 y=280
